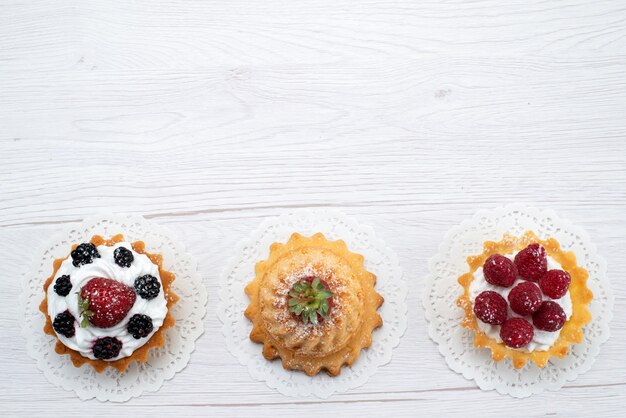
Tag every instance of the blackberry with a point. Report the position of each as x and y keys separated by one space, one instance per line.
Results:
x=64 y=324
x=106 y=348
x=84 y=254
x=63 y=285
x=140 y=326
x=123 y=256
x=147 y=286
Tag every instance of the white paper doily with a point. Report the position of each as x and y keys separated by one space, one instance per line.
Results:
x=456 y=343
x=162 y=363
x=379 y=259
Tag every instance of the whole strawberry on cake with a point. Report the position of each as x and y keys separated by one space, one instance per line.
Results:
x=108 y=303
x=525 y=299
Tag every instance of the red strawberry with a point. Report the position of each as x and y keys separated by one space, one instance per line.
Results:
x=105 y=302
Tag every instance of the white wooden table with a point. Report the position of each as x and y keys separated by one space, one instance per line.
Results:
x=209 y=116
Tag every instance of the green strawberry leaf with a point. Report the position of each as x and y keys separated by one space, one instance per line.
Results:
x=309 y=299
x=83 y=309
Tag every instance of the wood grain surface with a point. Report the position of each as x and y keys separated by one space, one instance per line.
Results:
x=209 y=116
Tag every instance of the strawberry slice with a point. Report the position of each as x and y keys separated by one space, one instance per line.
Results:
x=105 y=302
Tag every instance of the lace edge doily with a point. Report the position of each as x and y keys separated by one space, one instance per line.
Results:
x=445 y=351
x=249 y=241
x=28 y=330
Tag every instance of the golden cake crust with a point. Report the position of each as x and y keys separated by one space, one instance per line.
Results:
x=572 y=331
x=140 y=354
x=337 y=340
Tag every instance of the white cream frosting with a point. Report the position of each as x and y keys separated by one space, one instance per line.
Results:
x=105 y=266
x=542 y=340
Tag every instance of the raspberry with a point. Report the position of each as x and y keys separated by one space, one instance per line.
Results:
x=123 y=256
x=64 y=324
x=516 y=332
x=525 y=298
x=106 y=348
x=549 y=317
x=139 y=326
x=532 y=262
x=63 y=285
x=84 y=254
x=147 y=286
x=490 y=308
x=554 y=283
x=500 y=271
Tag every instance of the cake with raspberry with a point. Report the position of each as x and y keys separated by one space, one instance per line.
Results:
x=313 y=305
x=525 y=299
x=108 y=303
